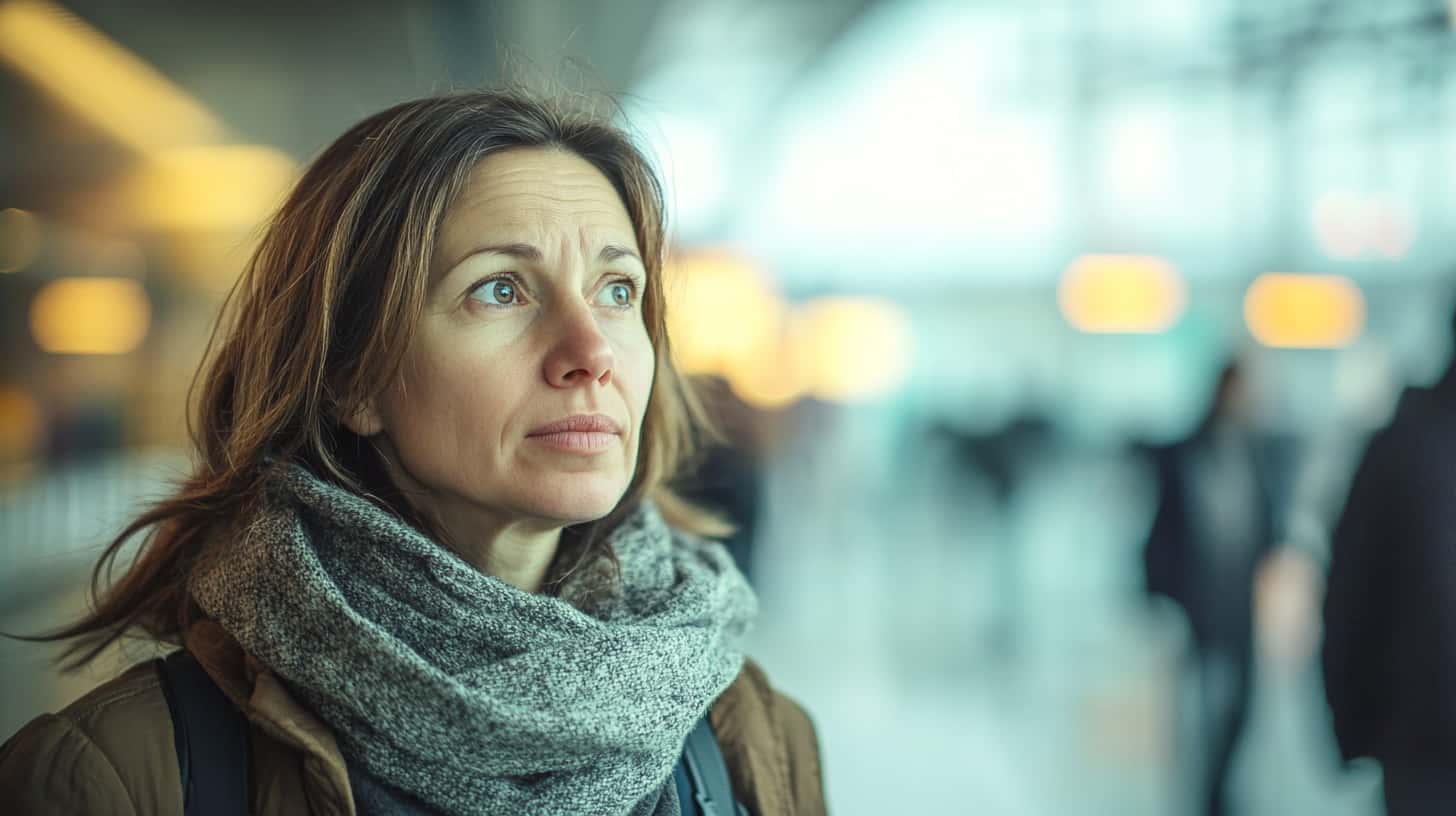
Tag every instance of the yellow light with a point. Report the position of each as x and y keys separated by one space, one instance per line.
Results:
x=19 y=240
x=1304 y=311
x=105 y=84
x=90 y=316
x=721 y=312
x=852 y=348
x=214 y=187
x=772 y=379
x=725 y=319
x=1122 y=294
x=21 y=424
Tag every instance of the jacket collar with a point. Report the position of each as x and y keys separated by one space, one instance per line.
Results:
x=267 y=703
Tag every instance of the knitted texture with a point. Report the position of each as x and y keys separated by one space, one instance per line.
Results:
x=465 y=692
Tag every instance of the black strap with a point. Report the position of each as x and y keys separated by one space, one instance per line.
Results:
x=212 y=739
x=709 y=772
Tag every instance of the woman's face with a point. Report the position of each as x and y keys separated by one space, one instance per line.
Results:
x=522 y=394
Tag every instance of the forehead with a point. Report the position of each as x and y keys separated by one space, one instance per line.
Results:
x=542 y=194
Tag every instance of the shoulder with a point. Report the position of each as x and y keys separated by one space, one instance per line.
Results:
x=110 y=752
x=770 y=744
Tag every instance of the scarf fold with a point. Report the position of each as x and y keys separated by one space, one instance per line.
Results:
x=469 y=694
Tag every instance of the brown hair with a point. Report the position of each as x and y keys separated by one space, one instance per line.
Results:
x=321 y=317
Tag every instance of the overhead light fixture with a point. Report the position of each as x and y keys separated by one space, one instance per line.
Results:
x=1122 y=294
x=1304 y=311
x=852 y=349
x=108 y=86
x=208 y=187
x=92 y=315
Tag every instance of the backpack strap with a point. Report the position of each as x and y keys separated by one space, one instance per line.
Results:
x=212 y=739
x=709 y=773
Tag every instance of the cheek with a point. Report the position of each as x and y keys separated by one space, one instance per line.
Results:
x=638 y=364
x=451 y=400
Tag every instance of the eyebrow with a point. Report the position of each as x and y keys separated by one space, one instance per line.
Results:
x=612 y=252
x=530 y=254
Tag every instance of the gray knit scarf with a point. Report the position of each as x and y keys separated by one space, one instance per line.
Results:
x=464 y=692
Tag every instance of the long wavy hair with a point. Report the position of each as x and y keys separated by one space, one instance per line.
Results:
x=321 y=318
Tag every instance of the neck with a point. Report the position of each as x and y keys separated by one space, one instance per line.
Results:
x=518 y=557
x=517 y=551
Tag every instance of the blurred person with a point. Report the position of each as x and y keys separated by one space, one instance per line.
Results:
x=1212 y=528
x=728 y=478
x=1005 y=459
x=427 y=549
x=1389 y=653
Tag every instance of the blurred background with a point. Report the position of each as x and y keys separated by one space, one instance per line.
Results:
x=972 y=284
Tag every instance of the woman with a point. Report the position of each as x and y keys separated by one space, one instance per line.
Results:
x=429 y=549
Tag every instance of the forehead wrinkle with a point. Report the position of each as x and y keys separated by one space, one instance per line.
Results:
x=534 y=198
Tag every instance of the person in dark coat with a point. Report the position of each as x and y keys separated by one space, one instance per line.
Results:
x=1213 y=527
x=1389 y=653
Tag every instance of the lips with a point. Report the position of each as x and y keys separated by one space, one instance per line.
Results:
x=580 y=423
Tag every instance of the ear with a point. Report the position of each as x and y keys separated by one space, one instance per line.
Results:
x=365 y=419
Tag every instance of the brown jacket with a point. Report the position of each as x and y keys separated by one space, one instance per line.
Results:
x=111 y=752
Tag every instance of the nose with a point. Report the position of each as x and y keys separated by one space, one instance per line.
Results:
x=580 y=354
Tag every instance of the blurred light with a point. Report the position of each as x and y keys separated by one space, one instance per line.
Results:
x=1141 y=167
x=1349 y=226
x=772 y=379
x=105 y=84
x=209 y=187
x=21 y=424
x=90 y=316
x=690 y=154
x=1304 y=311
x=19 y=240
x=725 y=319
x=1393 y=229
x=1122 y=294
x=721 y=312
x=1339 y=224
x=852 y=349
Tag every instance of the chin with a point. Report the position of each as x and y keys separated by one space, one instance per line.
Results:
x=579 y=499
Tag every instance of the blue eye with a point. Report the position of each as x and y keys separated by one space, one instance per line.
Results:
x=619 y=294
x=498 y=292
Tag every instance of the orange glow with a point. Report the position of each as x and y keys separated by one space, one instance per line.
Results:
x=209 y=187
x=721 y=312
x=19 y=240
x=772 y=379
x=90 y=316
x=725 y=319
x=1122 y=294
x=852 y=348
x=1304 y=311
x=21 y=424
x=106 y=85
